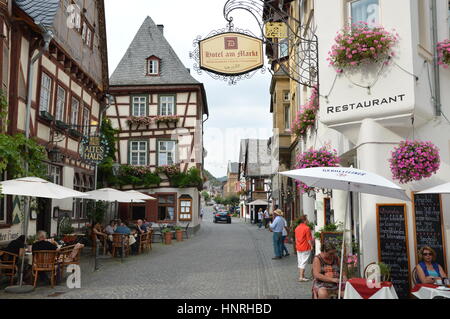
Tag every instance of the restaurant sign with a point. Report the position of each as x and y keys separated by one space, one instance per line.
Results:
x=231 y=53
x=94 y=149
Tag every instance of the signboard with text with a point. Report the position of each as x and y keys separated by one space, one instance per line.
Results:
x=94 y=149
x=276 y=30
x=231 y=53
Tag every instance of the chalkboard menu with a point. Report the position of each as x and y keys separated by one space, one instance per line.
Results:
x=428 y=225
x=393 y=245
x=327 y=210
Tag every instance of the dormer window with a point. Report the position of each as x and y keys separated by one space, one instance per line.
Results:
x=153 y=65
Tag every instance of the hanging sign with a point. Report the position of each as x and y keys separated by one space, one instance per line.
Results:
x=231 y=53
x=276 y=30
x=94 y=149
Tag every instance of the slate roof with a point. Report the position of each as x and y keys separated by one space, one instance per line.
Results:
x=43 y=12
x=150 y=41
x=233 y=168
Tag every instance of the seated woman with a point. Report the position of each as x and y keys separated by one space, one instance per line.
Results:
x=326 y=266
x=428 y=271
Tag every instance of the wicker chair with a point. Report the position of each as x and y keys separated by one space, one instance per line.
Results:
x=149 y=238
x=8 y=264
x=143 y=238
x=119 y=241
x=45 y=260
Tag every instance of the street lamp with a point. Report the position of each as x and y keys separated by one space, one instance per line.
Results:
x=116 y=169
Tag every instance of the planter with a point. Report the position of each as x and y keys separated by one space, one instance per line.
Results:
x=61 y=125
x=179 y=235
x=168 y=238
x=75 y=133
x=443 y=49
x=69 y=238
x=46 y=116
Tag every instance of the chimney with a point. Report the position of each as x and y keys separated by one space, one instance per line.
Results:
x=161 y=28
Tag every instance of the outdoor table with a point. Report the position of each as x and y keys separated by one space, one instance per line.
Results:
x=356 y=288
x=429 y=291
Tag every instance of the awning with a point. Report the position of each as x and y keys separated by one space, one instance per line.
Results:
x=258 y=202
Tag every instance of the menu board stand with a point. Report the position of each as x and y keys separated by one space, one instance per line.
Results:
x=392 y=231
x=428 y=226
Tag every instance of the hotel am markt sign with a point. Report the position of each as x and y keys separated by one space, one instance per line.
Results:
x=231 y=53
x=94 y=149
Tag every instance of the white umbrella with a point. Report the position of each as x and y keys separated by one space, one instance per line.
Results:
x=440 y=189
x=37 y=187
x=33 y=187
x=351 y=180
x=139 y=195
x=113 y=195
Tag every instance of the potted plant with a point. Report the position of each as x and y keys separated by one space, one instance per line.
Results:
x=179 y=233
x=167 y=235
x=31 y=240
x=75 y=133
x=444 y=53
x=414 y=160
x=385 y=271
x=61 y=125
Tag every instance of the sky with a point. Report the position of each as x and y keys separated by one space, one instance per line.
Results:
x=236 y=112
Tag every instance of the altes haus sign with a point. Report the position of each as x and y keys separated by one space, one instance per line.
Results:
x=94 y=149
x=366 y=104
x=231 y=53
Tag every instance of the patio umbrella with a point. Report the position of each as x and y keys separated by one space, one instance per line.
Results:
x=347 y=179
x=440 y=189
x=33 y=187
x=113 y=195
x=139 y=195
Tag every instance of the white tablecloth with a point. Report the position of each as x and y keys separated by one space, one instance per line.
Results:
x=383 y=293
x=430 y=293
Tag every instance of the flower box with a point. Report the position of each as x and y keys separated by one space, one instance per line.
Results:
x=46 y=116
x=75 y=133
x=61 y=125
x=306 y=117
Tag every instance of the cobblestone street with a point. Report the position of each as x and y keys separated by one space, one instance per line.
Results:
x=229 y=261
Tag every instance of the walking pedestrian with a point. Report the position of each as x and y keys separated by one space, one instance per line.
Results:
x=303 y=244
x=260 y=218
x=266 y=218
x=284 y=236
x=277 y=228
x=201 y=213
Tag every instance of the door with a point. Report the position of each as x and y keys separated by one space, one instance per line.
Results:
x=44 y=215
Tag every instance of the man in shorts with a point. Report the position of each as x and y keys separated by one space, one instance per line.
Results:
x=303 y=244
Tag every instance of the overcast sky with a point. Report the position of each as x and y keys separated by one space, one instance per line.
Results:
x=236 y=112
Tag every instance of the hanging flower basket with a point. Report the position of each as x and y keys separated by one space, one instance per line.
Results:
x=444 y=53
x=306 y=117
x=316 y=158
x=359 y=44
x=414 y=160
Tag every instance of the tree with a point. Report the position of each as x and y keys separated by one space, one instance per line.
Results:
x=206 y=196
x=232 y=200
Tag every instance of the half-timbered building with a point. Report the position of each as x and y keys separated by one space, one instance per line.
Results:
x=159 y=110
x=68 y=85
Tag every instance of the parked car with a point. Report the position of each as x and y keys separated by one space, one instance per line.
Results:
x=222 y=217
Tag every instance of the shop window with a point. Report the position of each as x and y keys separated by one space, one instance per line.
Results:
x=364 y=11
x=185 y=208
x=166 y=208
